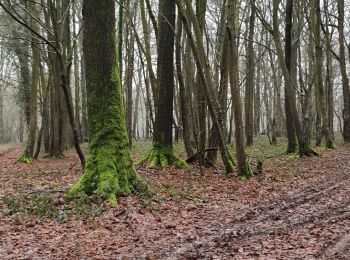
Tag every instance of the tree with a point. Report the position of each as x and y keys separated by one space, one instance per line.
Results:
x=289 y=91
x=109 y=171
x=249 y=88
x=201 y=6
x=345 y=78
x=202 y=62
x=244 y=170
x=318 y=72
x=28 y=155
x=162 y=152
x=184 y=94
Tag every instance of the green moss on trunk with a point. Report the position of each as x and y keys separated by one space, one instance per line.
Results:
x=230 y=164
x=163 y=157
x=329 y=145
x=305 y=150
x=26 y=159
x=109 y=169
x=245 y=171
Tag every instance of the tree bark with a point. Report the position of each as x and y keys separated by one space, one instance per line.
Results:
x=244 y=170
x=109 y=171
x=343 y=70
x=249 y=87
x=204 y=71
x=200 y=95
x=184 y=95
x=319 y=79
x=162 y=153
x=28 y=155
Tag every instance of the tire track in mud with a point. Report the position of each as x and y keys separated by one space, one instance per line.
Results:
x=338 y=250
x=252 y=231
x=256 y=223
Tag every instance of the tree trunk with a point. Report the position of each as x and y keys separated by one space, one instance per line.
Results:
x=289 y=93
x=244 y=170
x=184 y=95
x=2 y=131
x=318 y=76
x=152 y=77
x=109 y=171
x=206 y=78
x=137 y=101
x=201 y=6
x=128 y=82
x=249 y=87
x=28 y=155
x=162 y=152
x=223 y=90
x=343 y=70
x=77 y=90
x=284 y=62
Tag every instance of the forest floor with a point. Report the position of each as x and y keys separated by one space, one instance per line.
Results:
x=298 y=208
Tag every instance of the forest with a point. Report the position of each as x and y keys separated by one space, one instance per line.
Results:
x=174 y=129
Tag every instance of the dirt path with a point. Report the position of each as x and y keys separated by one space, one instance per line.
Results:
x=298 y=209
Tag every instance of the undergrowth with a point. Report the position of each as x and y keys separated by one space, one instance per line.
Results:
x=46 y=206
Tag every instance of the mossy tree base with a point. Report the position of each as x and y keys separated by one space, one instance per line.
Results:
x=329 y=145
x=26 y=159
x=109 y=173
x=230 y=165
x=245 y=172
x=163 y=157
x=307 y=152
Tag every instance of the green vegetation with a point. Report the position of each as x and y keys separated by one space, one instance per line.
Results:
x=46 y=206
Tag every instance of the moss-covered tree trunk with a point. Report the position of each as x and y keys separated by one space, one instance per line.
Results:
x=162 y=152
x=109 y=171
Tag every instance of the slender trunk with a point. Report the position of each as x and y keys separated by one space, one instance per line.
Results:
x=162 y=153
x=249 y=87
x=128 y=82
x=289 y=93
x=223 y=91
x=343 y=70
x=77 y=90
x=184 y=95
x=244 y=170
x=2 y=131
x=206 y=77
x=200 y=95
x=28 y=154
x=319 y=79
x=152 y=77
x=137 y=101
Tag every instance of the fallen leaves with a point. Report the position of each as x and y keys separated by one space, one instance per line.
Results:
x=298 y=208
